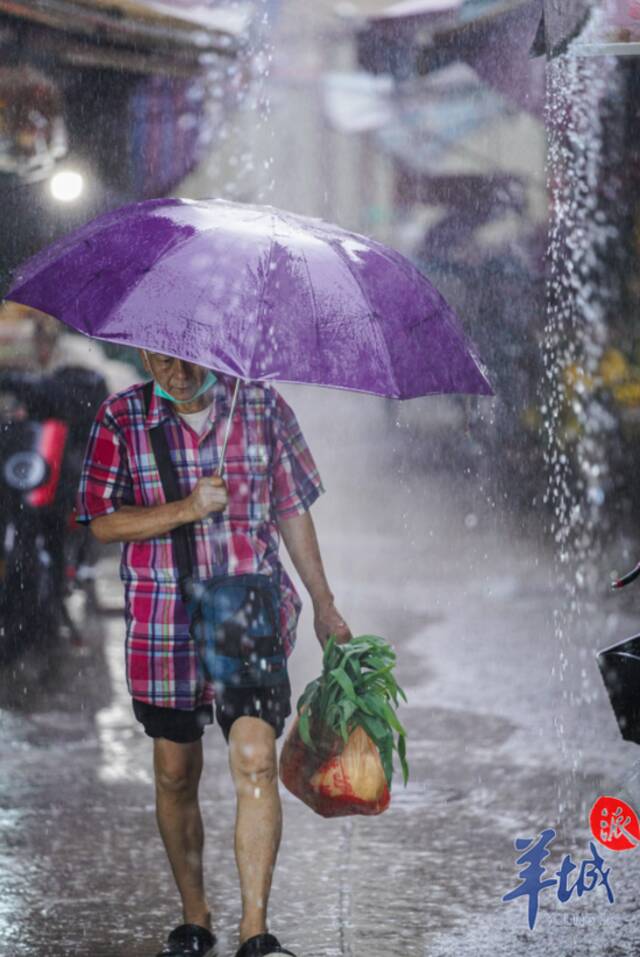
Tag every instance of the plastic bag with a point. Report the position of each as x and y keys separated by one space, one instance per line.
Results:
x=337 y=778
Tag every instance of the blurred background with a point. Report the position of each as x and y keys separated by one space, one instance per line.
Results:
x=419 y=123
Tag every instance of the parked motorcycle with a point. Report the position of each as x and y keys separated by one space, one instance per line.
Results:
x=44 y=424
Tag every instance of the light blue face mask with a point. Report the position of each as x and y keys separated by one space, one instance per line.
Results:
x=210 y=380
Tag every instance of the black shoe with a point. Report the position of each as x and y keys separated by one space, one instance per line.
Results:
x=190 y=940
x=261 y=946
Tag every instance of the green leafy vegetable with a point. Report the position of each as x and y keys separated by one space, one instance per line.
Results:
x=356 y=687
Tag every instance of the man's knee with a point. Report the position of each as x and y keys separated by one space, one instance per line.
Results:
x=177 y=768
x=252 y=752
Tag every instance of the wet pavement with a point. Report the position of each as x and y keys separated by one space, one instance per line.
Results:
x=499 y=746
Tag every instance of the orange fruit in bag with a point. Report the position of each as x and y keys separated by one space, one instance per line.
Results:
x=339 y=778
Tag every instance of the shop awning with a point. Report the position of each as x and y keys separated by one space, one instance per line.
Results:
x=201 y=24
x=438 y=30
x=561 y=21
x=492 y=36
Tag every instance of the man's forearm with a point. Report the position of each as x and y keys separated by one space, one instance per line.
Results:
x=135 y=523
x=299 y=536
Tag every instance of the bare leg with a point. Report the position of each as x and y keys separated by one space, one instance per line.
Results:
x=253 y=763
x=177 y=772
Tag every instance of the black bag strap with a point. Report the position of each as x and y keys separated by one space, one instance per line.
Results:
x=182 y=536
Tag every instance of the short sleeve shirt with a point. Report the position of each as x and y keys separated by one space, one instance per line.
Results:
x=270 y=474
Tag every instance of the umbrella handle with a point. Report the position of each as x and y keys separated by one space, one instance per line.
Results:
x=228 y=428
x=628 y=578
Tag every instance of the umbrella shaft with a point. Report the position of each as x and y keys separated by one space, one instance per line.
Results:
x=228 y=429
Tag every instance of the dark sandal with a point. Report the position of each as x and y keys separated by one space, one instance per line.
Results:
x=190 y=940
x=261 y=946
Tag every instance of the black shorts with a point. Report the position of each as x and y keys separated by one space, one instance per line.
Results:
x=273 y=705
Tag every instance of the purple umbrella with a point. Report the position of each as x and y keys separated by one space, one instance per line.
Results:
x=256 y=293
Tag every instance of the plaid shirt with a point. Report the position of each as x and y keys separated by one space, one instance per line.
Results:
x=269 y=473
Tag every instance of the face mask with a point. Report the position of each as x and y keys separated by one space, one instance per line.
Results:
x=210 y=380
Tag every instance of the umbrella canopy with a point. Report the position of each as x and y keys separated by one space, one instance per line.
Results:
x=256 y=293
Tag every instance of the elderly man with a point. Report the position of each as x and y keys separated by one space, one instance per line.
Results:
x=270 y=481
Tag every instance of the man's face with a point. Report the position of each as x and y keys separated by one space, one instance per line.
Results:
x=179 y=378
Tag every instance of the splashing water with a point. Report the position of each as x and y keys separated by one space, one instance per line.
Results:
x=580 y=94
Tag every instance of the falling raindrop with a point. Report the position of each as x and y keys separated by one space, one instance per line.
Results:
x=579 y=95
